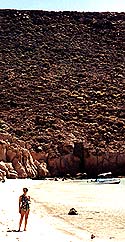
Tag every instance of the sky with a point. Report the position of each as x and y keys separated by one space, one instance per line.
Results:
x=65 y=5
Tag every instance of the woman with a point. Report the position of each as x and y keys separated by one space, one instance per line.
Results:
x=24 y=207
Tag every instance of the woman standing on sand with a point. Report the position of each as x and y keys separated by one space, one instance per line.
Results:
x=24 y=208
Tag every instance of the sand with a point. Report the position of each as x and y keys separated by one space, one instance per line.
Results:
x=9 y=218
x=38 y=228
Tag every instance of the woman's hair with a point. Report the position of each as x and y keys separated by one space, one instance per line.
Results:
x=25 y=189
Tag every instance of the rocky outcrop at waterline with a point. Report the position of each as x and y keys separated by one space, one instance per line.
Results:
x=16 y=161
x=62 y=82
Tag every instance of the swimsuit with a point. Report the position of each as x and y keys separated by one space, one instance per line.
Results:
x=25 y=203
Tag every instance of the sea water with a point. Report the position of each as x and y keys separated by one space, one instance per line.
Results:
x=100 y=207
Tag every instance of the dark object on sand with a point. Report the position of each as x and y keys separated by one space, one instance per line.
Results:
x=92 y=236
x=72 y=211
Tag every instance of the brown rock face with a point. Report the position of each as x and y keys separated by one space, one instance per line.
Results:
x=42 y=170
x=61 y=83
x=17 y=162
x=105 y=161
x=20 y=169
x=3 y=150
x=67 y=164
x=21 y=163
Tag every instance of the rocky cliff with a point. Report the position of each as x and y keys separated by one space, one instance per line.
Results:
x=61 y=83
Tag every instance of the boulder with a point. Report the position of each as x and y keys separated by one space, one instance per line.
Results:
x=12 y=175
x=72 y=211
x=3 y=150
x=3 y=166
x=39 y=156
x=36 y=163
x=29 y=164
x=11 y=154
x=19 y=168
x=1 y=177
x=81 y=175
x=92 y=236
x=42 y=170
x=6 y=137
x=2 y=174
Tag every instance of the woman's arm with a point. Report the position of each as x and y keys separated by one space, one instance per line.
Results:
x=20 y=204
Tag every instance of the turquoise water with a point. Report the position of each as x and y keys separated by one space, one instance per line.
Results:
x=100 y=207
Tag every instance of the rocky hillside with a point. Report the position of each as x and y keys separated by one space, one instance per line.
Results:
x=62 y=79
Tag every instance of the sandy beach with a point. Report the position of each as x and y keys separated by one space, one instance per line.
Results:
x=9 y=218
x=40 y=227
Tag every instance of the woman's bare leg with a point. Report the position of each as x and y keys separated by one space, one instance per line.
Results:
x=26 y=218
x=21 y=219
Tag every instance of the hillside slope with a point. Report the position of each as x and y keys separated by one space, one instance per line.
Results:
x=62 y=78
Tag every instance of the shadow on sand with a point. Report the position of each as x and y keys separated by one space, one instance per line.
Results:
x=14 y=230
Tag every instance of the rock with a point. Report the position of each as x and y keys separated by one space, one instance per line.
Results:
x=19 y=168
x=28 y=163
x=53 y=165
x=3 y=167
x=19 y=162
x=81 y=175
x=2 y=175
x=11 y=154
x=72 y=211
x=70 y=164
x=75 y=102
x=43 y=171
x=65 y=148
x=92 y=236
x=36 y=163
x=63 y=165
x=9 y=166
x=78 y=87
x=39 y=156
x=103 y=161
x=12 y=175
x=3 y=149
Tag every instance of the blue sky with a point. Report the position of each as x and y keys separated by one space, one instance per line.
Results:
x=66 y=5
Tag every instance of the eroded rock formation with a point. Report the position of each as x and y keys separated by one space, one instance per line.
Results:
x=18 y=162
